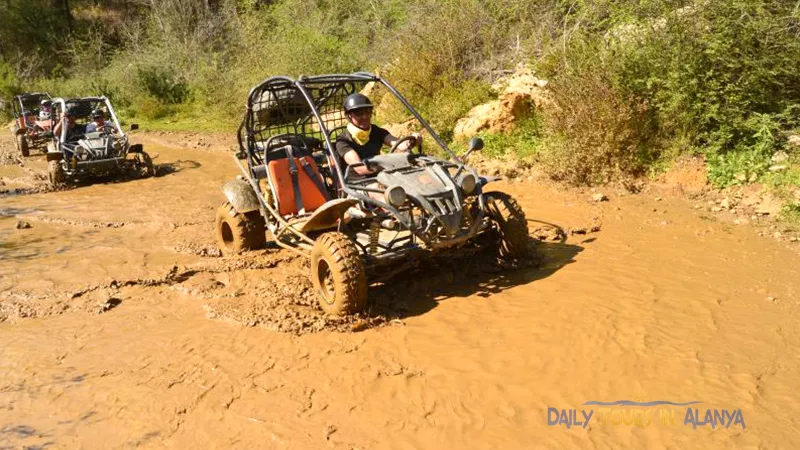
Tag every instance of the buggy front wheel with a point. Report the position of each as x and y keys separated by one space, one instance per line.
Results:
x=338 y=274
x=55 y=173
x=22 y=144
x=510 y=225
x=237 y=232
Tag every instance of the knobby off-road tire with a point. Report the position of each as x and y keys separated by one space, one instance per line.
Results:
x=236 y=232
x=55 y=173
x=338 y=274
x=146 y=167
x=22 y=145
x=512 y=227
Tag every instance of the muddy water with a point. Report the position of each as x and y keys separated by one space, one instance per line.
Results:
x=120 y=329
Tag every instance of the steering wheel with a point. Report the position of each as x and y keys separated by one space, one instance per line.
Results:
x=401 y=140
x=107 y=129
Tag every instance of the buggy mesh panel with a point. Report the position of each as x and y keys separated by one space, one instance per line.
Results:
x=280 y=113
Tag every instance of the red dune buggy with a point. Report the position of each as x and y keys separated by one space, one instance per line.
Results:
x=33 y=121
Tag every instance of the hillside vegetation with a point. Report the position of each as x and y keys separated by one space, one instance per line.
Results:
x=637 y=82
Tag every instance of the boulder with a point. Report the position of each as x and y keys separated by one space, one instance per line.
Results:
x=520 y=93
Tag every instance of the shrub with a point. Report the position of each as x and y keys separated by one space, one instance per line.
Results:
x=597 y=131
x=162 y=85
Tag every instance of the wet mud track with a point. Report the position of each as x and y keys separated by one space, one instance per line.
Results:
x=120 y=327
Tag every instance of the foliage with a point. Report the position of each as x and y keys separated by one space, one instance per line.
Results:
x=635 y=81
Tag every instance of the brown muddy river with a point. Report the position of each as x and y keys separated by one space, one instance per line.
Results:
x=121 y=328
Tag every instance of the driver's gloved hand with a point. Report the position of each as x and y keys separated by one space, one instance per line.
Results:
x=371 y=166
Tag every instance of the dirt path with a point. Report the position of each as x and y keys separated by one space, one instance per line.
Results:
x=119 y=328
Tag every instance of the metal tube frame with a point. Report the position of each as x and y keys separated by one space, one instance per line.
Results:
x=247 y=150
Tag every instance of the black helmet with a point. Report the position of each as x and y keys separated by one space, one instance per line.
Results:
x=356 y=101
x=97 y=113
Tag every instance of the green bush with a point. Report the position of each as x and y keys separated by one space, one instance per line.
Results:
x=162 y=85
x=636 y=81
x=523 y=141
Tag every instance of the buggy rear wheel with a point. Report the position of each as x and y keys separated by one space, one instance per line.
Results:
x=511 y=226
x=55 y=173
x=237 y=232
x=22 y=144
x=338 y=274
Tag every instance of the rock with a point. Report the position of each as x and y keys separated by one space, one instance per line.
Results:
x=658 y=199
x=23 y=225
x=599 y=197
x=778 y=168
x=769 y=205
x=519 y=93
x=548 y=233
x=777 y=235
x=793 y=239
x=725 y=203
x=779 y=157
x=741 y=221
x=794 y=141
x=716 y=209
x=328 y=431
x=107 y=305
x=751 y=200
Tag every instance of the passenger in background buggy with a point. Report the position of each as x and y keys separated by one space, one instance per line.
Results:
x=363 y=140
x=45 y=109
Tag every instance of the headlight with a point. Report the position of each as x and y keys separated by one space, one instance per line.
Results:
x=395 y=195
x=467 y=182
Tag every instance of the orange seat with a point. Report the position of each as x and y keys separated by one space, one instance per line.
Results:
x=281 y=181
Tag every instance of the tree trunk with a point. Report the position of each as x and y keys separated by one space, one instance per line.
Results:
x=66 y=11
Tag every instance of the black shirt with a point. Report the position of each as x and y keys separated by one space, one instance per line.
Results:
x=345 y=143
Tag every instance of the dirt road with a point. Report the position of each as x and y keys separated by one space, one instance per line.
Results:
x=120 y=328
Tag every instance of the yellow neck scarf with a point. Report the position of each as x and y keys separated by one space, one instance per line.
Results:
x=361 y=137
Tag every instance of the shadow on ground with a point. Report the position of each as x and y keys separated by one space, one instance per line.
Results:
x=420 y=290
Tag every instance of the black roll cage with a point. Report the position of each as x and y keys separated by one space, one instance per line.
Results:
x=247 y=139
x=18 y=105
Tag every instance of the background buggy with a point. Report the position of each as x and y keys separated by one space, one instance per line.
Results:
x=294 y=184
x=75 y=153
x=31 y=129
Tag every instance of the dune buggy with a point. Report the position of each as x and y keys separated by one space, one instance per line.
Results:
x=103 y=150
x=32 y=121
x=295 y=185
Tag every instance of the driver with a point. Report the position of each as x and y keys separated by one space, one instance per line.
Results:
x=98 y=122
x=74 y=131
x=363 y=140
